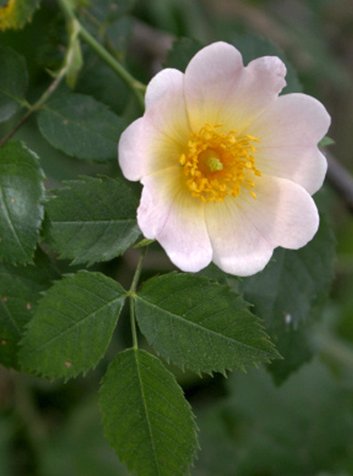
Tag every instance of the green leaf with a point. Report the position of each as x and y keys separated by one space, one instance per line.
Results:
x=93 y=219
x=289 y=293
x=21 y=198
x=216 y=274
x=81 y=127
x=200 y=324
x=144 y=242
x=20 y=288
x=146 y=418
x=97 y=79
x=17 y=13
x=13 y=82
x=326 y=141
x=182 y=52
x=73 y=325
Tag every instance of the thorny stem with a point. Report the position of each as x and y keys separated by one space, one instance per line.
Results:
x=132 y=291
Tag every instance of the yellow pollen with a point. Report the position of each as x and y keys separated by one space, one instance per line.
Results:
x=217 y=164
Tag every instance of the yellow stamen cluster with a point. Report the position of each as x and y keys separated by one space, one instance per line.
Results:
x=217 y=164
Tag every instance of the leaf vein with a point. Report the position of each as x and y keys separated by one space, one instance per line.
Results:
x=7 y=217
x=146 y=413
x=193 y=324
x=68 y=329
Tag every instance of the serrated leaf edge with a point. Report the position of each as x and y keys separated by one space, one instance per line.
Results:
x=27 y=326
x=259 y=322
x=192 y=415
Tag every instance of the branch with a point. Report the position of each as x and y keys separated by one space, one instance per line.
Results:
x=33 y=108
x=340 y=180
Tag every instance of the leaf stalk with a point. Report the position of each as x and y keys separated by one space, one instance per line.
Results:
x=131 y=293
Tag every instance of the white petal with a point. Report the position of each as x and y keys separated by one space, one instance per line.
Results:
x=159 y=87
x=238 y=246
x=169 y=213
x=158 y=139
x=244 y=231
x=284 y=212
x=165 y=105
x=209 y=78
x=218 y=89
x=289 y=131
x=131 y=157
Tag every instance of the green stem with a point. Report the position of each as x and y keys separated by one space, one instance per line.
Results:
x=133 y=323
x=137 y=88
x=132 y=291
x=34 y=107
x=67 y=9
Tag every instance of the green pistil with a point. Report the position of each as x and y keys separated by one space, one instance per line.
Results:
x=214 y=164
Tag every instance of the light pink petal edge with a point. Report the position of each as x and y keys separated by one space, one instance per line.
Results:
x=289 y=132
x=244 y=231
x=168 y=213
x=158 y=139
x=218 y=89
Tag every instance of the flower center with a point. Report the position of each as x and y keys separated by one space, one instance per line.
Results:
x=218 y=164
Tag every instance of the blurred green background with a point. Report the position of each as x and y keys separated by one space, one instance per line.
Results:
x=248 y=426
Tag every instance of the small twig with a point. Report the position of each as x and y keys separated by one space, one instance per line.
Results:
x=15 y=128
x=340 y=180
x=33 y=108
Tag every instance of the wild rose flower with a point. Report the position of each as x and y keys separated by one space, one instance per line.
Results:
x=227 y=165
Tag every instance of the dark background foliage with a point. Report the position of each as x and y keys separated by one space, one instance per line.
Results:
x=292 y=418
